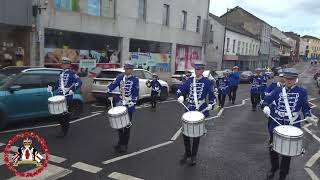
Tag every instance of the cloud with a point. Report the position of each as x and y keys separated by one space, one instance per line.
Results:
x=301 y=16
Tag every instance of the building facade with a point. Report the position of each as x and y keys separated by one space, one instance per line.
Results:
x=240 y=17
x=161 y=36
x=241 y=49
x=214 y=48
x=15 y=32
x=303 y=49
x=313 y=47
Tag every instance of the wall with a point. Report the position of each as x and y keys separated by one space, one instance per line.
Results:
x=239 y=37
x=16 y=12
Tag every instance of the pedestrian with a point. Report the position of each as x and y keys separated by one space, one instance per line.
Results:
x=197 y=89
x=234 y=79
x=155 y=90
x=223 y=88
x=68 y=83
x=264 y=78
x=256 y=83
x=129 y=86
x=297 y=101
x=278 y=82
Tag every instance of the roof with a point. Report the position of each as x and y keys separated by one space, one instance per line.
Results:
x=276 y=39
x=245 y=11
x=217 y=18
x=239 y=29
x=309 y=37
x=42 y=71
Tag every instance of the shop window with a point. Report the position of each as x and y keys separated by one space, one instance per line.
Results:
x=94 y=7
x=66 y=5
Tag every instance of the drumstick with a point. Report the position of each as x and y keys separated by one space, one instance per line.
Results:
x=274 y=120
x=185 y=106
x=111 y=99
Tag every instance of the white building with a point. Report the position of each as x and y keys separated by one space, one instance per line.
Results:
x=303 y=47
x=214 y=48
x=161 y=35
x=241 y=48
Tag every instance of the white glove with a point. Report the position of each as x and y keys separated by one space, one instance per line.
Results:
x=130 y=104
x=49 y=88
x=181 y=99
x=71 y=92
x=216 y=89
x=266 y=111
x=313 y=120
x=210 y=107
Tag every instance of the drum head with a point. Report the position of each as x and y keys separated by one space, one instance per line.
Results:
x=289 y=131
x=56 y=98
x=193 y=116
x=117 y=110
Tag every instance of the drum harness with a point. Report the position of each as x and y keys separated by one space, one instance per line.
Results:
x=123 y=96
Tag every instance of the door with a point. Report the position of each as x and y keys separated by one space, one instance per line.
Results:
x=142 y=83
x=26 y=102
x=148 y=76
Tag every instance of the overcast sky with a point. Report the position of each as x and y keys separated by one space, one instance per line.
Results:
x=300 y=16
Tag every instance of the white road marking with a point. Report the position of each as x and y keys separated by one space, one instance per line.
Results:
x=86 y=167
x=95 y=112
x=311 y=174
x=120 y=176
x=237 y=105
x=176 y=135
x=313 y=159
x=55 y=159
x=51 y=125
x=2 y=158
x=136 y=153
x=312 y=134
x=51 y=172
x=1 y=144
x=94 y=105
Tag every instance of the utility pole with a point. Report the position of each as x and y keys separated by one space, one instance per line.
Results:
x=224 y=38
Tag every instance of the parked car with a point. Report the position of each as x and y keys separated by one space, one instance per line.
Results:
x=246 y=76
x=25 y=96
x=177 y=79
x=217 y=74
x=107 y=76
x=14 y=70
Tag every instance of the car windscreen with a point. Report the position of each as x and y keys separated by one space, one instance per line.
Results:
x=109 y=74
x=179 y=73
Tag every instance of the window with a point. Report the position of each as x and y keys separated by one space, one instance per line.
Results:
x=147 y=75
x=66 y=4
x=211 y=28
x=257 y=49
x=250 y=48
x=142 y=10
x=228 y=42
x=94 y=7
x=28 y=81
x=239 y=44
x=49 y=79
x=198 y=23
x=139 y=74
x=184 y=20
x=242 y=51
x=246 y=48
x=166 y=14
x=234 y=46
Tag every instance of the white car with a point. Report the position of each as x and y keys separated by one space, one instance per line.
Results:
x=107 y=76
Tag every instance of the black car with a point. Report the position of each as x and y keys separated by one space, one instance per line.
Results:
x=245 y=76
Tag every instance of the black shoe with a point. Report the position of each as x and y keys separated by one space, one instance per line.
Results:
x=123 y=149
x=117 y=148
x=232 y=102
x=193 y=161
x=254 y=109
x=270 y=174
x=184 y=159
x=282 y=177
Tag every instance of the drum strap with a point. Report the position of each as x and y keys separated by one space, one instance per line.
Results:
x=195 y=96
x=286 y=103
x=123 y=88
x=62 y=84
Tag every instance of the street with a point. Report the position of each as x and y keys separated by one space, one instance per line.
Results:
x=235 y=147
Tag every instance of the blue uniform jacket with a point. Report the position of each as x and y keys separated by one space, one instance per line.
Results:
x=256 y=83
x=298 y=101
x=223 y=86
x=71 y=81
x=264 y=78
x=155 y=88
x=234 y=79
x=131 y=91
x=204 y=88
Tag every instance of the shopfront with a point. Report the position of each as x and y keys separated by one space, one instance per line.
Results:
x=185 y=57
x=14 y=45
x=229 y=61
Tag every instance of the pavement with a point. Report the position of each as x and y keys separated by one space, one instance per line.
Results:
x=235 y=146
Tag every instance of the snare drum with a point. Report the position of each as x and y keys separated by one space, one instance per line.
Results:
x=118 y=117
x=287 y=140
x=193 y=124
x=57 y=105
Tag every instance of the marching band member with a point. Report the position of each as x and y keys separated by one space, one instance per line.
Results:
x=223 y=88
x=129 y=86
x=68 y=83
x=264 y=78
x=234 y=79
x=297 y=100
x=256 y=89
x=197 y=89
x=155 y=91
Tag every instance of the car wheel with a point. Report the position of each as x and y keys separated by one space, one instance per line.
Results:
x=75 y=109
x=3 y=121
x=164 y=94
